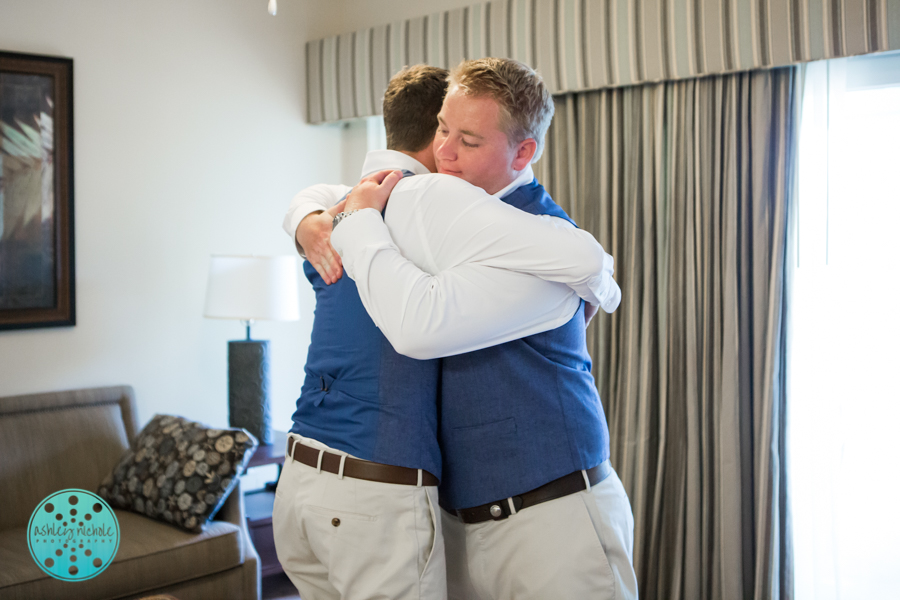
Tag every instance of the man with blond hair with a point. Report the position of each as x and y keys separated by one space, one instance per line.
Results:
x=356 y=508
x=532 y=507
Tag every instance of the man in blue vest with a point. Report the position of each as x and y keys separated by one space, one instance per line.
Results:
x=356 y=511
x=532 y=507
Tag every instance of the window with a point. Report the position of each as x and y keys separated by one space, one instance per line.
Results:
x=844 y=344
x=359 y=136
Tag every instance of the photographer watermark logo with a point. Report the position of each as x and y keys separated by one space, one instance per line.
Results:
x=73 y=535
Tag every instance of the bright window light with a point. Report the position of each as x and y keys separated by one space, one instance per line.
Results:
x=376 y=134
x=844 y=344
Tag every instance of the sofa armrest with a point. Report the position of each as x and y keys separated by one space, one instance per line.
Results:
x=233 y=512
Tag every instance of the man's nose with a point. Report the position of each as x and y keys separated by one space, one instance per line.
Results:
x=446 y=150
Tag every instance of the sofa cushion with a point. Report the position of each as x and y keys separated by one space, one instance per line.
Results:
x=151 y=555
x=178 y=471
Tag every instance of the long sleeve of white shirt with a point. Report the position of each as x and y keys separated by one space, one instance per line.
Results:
x=453 y=269
x=312 y=199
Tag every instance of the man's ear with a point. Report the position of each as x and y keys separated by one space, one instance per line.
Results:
x=524 y=153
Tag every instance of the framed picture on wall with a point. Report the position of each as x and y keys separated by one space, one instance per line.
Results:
x=37 y=227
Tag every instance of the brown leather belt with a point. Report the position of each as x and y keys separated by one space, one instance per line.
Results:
x=565 y=485
x=358 y=469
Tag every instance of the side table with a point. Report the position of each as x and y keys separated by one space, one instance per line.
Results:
x=258 y=505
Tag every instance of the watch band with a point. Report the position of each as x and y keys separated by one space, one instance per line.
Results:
x=340 y=217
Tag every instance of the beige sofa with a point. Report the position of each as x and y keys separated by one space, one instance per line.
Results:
x=56 y=441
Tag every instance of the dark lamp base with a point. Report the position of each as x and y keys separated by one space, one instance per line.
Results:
x=248 y=388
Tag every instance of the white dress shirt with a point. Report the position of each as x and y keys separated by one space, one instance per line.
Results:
x=454 y=269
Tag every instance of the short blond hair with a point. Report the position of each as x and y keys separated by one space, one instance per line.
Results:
x=526 y=106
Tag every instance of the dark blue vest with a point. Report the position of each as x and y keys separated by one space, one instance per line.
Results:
x=521 y=414
x=359 y=395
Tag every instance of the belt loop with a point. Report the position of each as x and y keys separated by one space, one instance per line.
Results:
x=419 y=482
x=512 y=506
x=319 y=462
x=341 y=468
x=291 y=442
x=587 y=481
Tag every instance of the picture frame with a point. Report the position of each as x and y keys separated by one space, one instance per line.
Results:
x=37 y=202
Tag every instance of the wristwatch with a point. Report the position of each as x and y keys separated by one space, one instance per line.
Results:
x=340 y=217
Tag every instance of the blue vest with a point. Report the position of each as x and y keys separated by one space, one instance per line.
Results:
x=521 y=414
x=359 y=395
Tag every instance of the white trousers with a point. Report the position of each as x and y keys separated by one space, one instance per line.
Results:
x=351 y=539
x=577 y=547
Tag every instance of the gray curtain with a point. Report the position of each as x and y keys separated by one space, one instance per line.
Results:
x=688 y=185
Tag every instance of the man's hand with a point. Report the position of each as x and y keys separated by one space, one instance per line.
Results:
x=314 y=236
x=373 y=191
x=337 y=208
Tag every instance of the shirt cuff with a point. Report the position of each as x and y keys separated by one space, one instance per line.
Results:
x=364 y=228
x=612 y=298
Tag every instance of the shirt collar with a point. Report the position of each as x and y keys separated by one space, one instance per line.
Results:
x=379 y=160
x=524 y=178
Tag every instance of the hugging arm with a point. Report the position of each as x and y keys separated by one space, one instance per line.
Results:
x=447 y=277
x=308 y=222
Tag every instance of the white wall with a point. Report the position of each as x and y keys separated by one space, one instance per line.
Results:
x=189 y=140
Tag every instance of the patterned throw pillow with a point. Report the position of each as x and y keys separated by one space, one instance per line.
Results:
x=178 y=471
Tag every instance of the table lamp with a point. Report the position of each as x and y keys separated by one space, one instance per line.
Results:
x=251 y=288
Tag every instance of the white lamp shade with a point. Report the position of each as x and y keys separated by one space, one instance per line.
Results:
x=253 y=288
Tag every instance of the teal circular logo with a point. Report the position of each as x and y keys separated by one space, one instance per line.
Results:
x=73 y=535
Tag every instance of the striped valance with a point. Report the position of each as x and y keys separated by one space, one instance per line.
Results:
x=590 y=44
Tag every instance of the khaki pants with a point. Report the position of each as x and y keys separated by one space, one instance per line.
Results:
x=577 y=547
x=351 y=539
